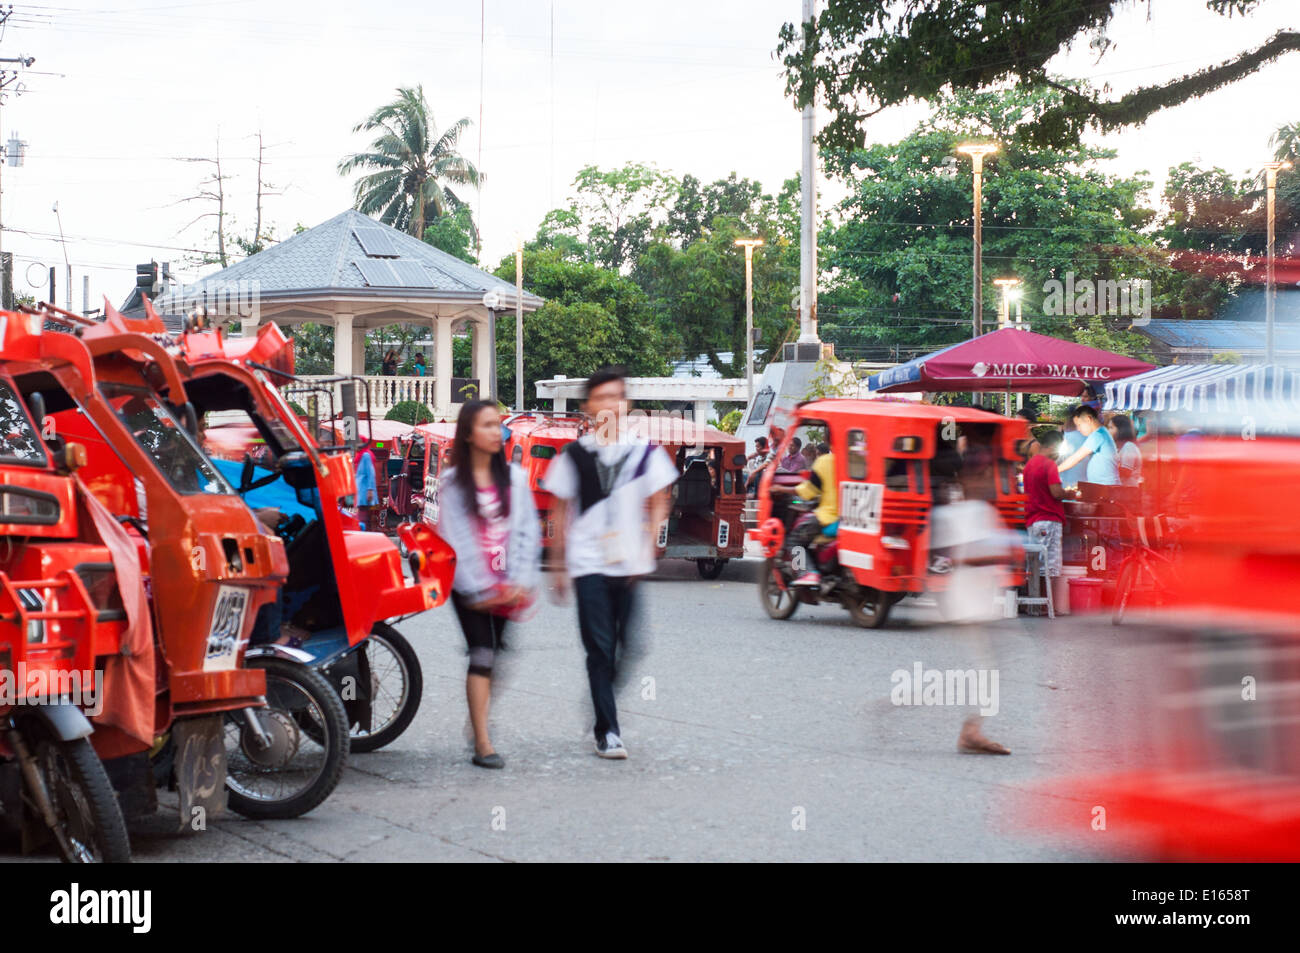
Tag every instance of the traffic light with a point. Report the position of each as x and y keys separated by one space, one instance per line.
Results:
x=146 y=278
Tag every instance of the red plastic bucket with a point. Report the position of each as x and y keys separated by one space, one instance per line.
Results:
x=1085 y=594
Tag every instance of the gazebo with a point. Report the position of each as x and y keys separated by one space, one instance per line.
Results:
x=355 y=274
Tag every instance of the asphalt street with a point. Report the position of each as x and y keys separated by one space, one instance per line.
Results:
x=750 y=740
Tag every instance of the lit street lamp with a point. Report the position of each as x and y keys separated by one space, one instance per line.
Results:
x=1270 y=179
x=1010 y=292
x=749 y=245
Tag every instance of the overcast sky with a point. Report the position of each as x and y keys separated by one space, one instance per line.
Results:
x=120 y=93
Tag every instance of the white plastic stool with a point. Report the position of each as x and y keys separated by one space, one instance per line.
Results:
x=1036 y=566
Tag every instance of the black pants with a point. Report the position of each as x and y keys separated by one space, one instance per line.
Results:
x=605 y=609
x=484 y=634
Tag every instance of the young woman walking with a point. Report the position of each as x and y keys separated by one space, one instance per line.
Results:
x=486 y=514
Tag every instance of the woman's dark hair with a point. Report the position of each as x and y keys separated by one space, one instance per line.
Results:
x=461 y=459
x=1123 y=429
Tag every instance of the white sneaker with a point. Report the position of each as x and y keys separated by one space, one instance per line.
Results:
x=611 y=747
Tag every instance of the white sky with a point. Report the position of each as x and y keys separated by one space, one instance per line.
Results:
x=119 y=91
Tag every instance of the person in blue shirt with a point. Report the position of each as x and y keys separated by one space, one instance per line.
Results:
x=1098 y=450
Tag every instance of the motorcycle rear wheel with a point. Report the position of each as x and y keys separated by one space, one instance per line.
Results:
x=871 y=608
x=710 y=568
x=302 y=706
x=91 y=829
x=778 y=603
x=395 y=656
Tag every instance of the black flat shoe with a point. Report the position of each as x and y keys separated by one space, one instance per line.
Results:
x=492 y=760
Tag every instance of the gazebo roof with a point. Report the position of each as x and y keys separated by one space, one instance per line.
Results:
x=352 y=255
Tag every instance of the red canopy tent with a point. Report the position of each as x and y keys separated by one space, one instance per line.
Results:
x=1009 y=360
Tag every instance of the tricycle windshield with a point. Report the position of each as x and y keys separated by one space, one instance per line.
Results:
x=19 y=442
x=161 y=436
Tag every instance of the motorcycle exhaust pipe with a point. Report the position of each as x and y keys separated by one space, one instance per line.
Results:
x=32 y=776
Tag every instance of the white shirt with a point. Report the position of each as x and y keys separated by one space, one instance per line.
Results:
x=612 y=538
x=1130 y=456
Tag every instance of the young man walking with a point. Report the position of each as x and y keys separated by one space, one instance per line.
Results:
x=610 y=490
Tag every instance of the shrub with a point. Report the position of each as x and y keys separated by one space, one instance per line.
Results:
x=410 y=412
x=730 y=421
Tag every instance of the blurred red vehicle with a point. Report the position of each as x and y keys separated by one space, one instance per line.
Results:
x=1206 y=765
x=345 y=587
x=66 y=641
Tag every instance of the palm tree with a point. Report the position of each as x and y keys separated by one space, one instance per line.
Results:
x=1286 y=141
x=415 y=166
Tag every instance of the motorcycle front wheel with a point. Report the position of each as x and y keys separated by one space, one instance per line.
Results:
x=306 y=750
x=396 y=686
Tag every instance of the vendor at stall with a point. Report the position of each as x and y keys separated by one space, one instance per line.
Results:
x=1098 y=449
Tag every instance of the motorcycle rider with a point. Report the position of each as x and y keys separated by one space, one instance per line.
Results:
x=819 y=486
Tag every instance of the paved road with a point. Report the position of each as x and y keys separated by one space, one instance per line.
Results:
x=752 y=725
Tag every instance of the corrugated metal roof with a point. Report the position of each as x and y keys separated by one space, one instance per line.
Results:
x=1217 y=335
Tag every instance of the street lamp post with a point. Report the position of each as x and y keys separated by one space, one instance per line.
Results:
x=749 y=245
x=977 y=151
x=1270 y=179
x=1010 y=292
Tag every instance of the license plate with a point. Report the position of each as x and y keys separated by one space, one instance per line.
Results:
x=227 y=627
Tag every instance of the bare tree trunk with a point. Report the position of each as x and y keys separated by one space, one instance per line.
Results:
x=221 y=211
x=257 y=226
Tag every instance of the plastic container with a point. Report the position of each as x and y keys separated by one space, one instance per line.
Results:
x=1085 y=594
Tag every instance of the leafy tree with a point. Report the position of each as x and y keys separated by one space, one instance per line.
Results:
x=414 y=165
x=454 y=234
x=698 y=288
x=862 y=56
x=313 y=348
x=611 y=216
x=900 y=261
x=593 y=316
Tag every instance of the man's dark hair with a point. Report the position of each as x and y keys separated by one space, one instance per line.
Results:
x=604 y=376
x=1083 y=410
x=795 y=444
x=1028 y=413
x=1050 y=439
x=760 y=441
x=823 y=448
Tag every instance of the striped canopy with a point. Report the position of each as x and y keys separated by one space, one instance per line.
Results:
x=1209 y=389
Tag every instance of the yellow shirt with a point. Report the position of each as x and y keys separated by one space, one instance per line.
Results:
x=822 y=484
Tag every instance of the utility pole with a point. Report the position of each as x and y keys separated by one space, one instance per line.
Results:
x=808 y=225
x=1270 y=181
x=749 y=244
x=7 y=79
x=519 y=322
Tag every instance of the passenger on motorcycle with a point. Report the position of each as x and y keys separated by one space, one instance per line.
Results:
x=825 y=520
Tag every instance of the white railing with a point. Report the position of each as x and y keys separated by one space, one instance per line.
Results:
x=385 y=393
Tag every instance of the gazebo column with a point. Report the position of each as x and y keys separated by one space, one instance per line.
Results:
x=248 y=324
x=343 y=344
x=442 y=364
x=481 y=357
x=358 y=350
